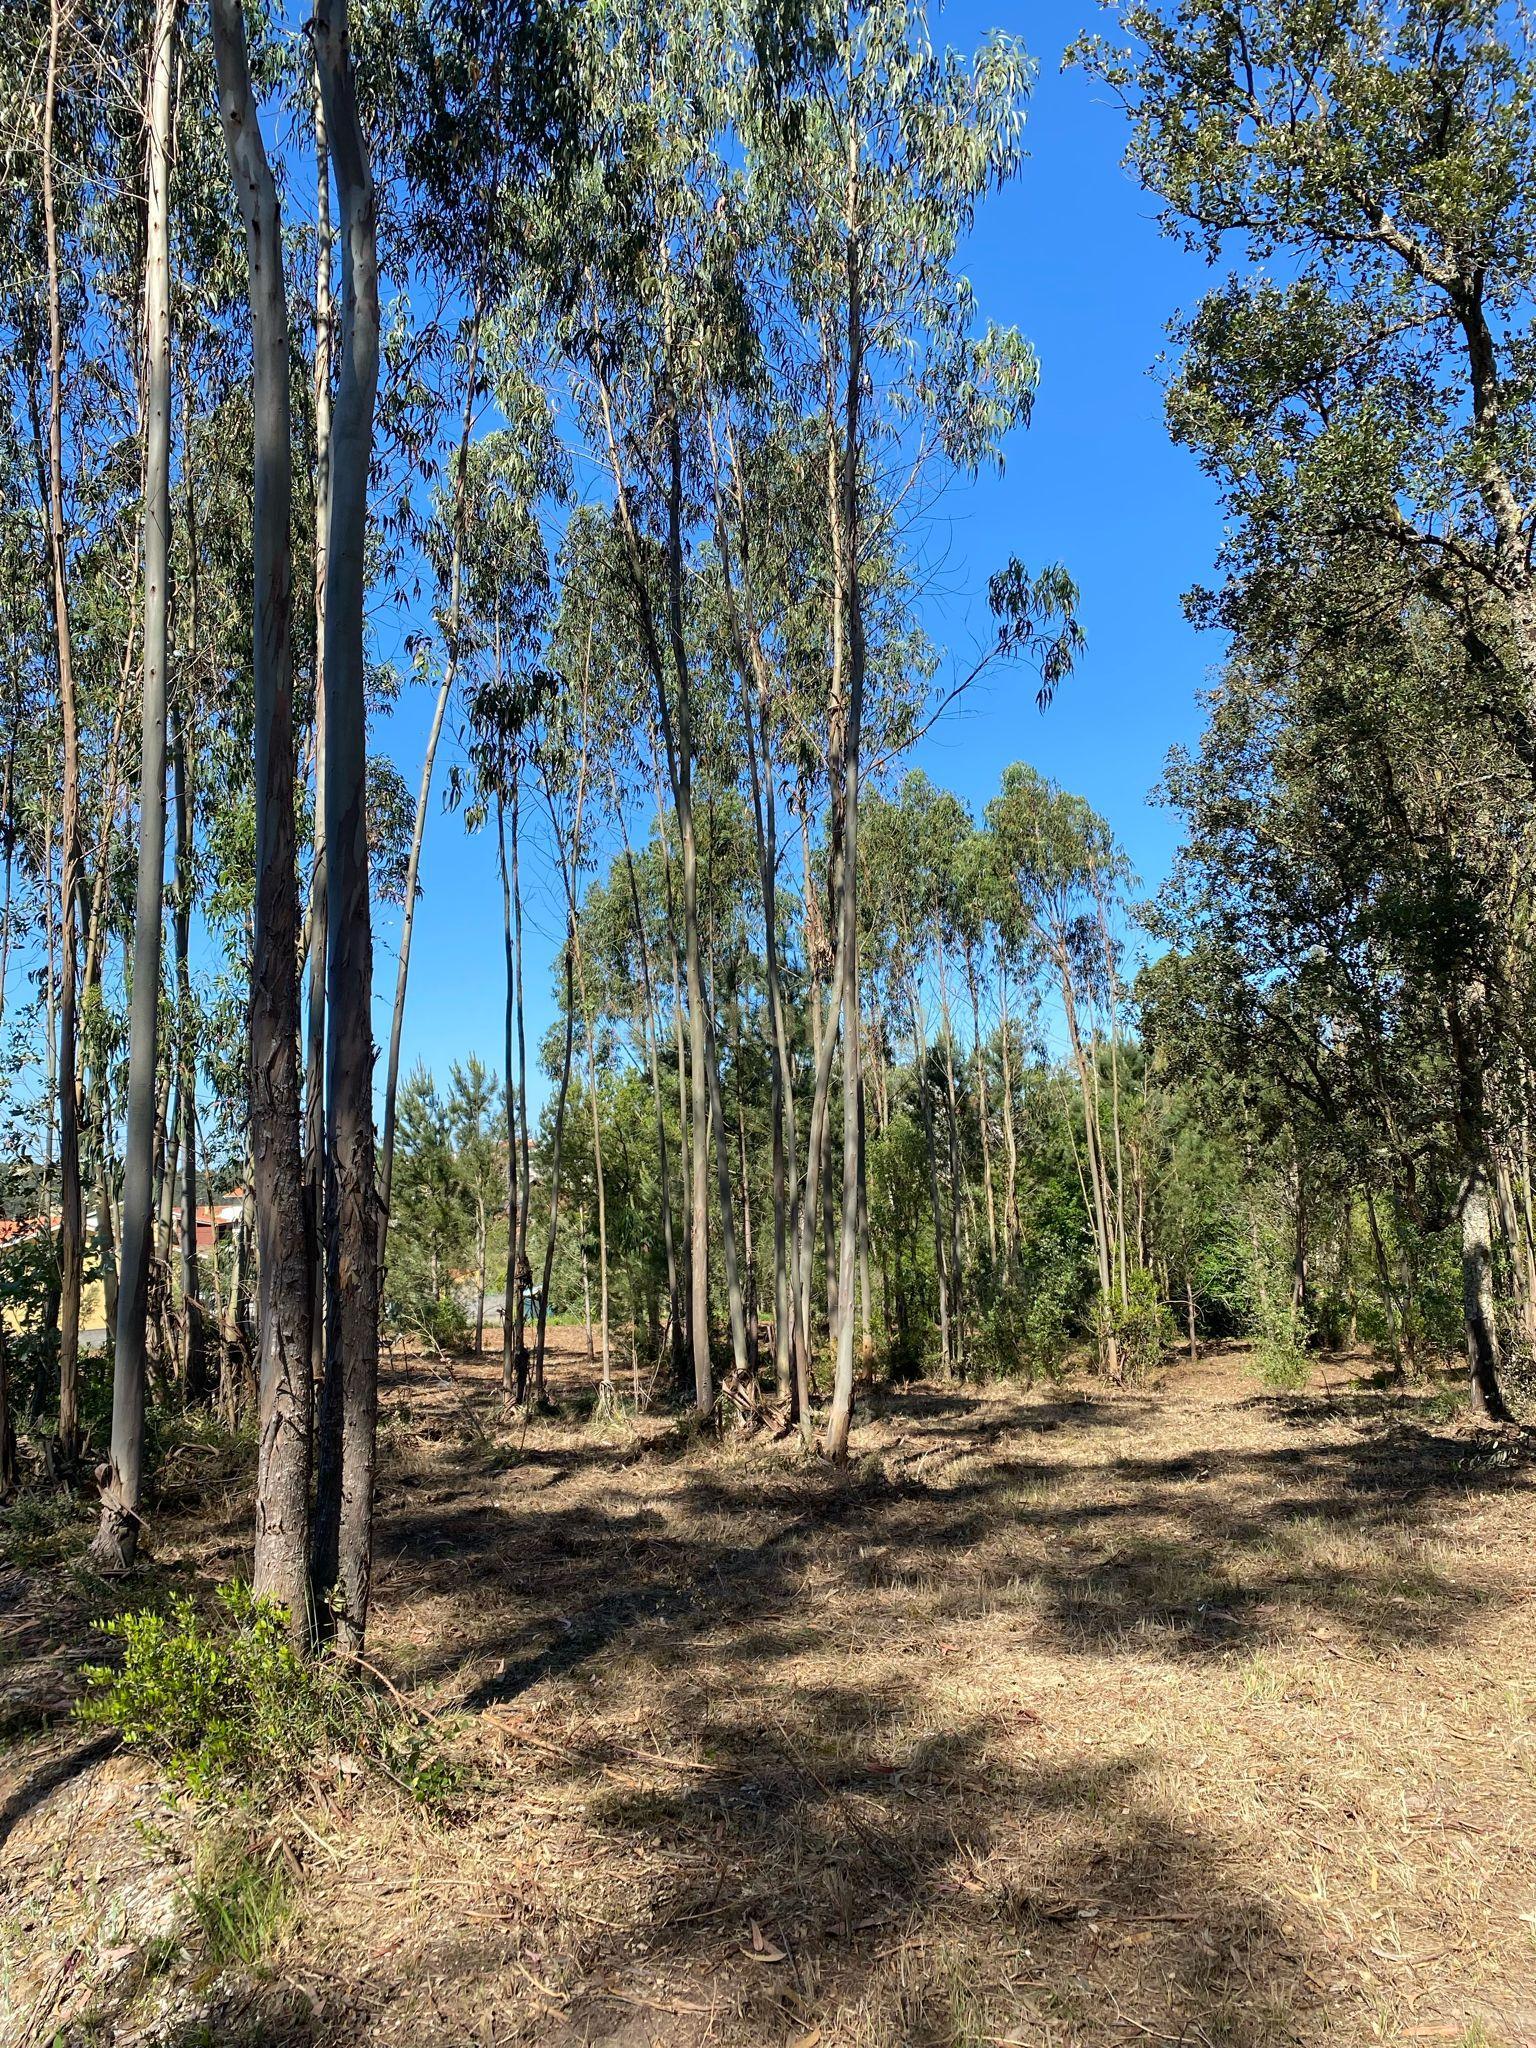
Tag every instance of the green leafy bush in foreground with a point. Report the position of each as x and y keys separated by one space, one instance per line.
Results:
x=224 y=1702
x=214 y=1700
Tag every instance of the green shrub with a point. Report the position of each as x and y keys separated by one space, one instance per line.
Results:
x=1281 y=1346
x=214 y=1701
x=225 y=1701
x=1142 y=1325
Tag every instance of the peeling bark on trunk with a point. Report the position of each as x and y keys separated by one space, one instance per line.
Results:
x=285 y=1302
x=343 y=1549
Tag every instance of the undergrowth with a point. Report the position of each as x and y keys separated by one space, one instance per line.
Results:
x=225 y=1702
x=242 y=1897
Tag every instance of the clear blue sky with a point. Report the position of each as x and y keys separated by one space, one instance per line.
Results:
x=1070 y=253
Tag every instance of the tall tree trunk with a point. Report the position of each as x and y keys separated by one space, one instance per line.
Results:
x=1012 y=1229
x=957 y=1258
x=651 y=1029
x=314 y=1055
x=846 y=545
x=925 y=1102
x=594 y=1111
x=193 y=1333
x=757 y=684
x=513 y=1371
x=983 y=1110
x=71 y=1243
x=525 y=1143
x=121 y=1479
x=1475 y=1209
x=344 y=1499
x=285 y=1303
x=556 y=1149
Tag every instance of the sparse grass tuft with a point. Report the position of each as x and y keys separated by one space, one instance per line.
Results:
x=242 y=1896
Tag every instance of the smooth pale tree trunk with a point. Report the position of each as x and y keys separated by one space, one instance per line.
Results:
x=71 y=1240
x=1100 y=1200
x=524 y=1149
x=756 y=679
x=343 y=1548
x=480 y=1238
x=314 y=1058
x=122 y=1478
x=984 y=1110
x=1476 y=1217
x=940 y=1256
x=285 y=1305
x=650 y=1027
x=680 y=1061
x=168 y=1119
x=556 y=1149
x=957 y=1255
x=676 y=718
x=846 y=543
x=452 y=637
x=595 y=1112
x=513 y=1370
x=193 y=1329
x=1012 y=1230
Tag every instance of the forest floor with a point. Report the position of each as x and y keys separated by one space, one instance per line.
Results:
x=1186 y=1714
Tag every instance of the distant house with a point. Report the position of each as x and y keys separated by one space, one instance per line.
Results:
x=216 y=1222
x=16 y=1231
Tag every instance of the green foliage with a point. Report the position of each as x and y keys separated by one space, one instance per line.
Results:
x=1280 y=1346
x=1141 y=1324
x=218 y=1701
x=224 y=1702
x=1021 y=1334
x=242 y=1896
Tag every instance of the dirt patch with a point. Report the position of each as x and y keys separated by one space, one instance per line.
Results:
x=1185 y=1714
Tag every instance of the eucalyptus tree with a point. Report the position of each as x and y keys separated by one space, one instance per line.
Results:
x=470 y=1113
x=71 y=1213
x=285 y=1301
x=871 y=165
x=448 y=560
x=342 y=1545
x=1060 y=856
x=121 y=1480
x=506 y=591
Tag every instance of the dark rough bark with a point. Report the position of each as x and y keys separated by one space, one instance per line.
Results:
x=343 y=1548
x=314 y=1028
x=284 y=1302
x=122 y=1477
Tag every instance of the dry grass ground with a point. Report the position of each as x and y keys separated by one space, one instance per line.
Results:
x=1182 y=1715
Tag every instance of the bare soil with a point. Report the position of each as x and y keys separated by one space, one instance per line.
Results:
x=1186 y=1714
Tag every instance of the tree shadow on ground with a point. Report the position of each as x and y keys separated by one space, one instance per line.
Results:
x=793 y=1835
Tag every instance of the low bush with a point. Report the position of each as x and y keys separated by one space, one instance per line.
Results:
x=214 y=1700
x=225 y=1702
x=1141 y=1324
